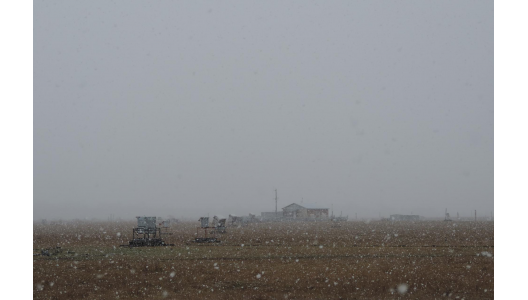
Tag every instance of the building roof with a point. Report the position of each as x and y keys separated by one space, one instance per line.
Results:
x=313 y=206
x=307 y=206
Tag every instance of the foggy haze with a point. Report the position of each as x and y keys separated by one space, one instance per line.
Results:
x=189 y=108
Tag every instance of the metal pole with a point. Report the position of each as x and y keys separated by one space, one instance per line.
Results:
x=276 y=202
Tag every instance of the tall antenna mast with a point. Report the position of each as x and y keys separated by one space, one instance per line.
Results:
x=276 y=201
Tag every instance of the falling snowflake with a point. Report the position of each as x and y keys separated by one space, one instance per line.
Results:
x=402 y=288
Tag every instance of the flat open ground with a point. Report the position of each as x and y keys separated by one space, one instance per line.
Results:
x=351 y=260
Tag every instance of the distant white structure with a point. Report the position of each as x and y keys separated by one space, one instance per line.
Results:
x=165 y=224
x=404 y=217
x=447 y=217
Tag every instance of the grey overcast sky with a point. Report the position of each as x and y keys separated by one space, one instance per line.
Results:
x=186 y=108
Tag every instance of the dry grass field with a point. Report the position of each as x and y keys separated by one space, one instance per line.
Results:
x=353 y=260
